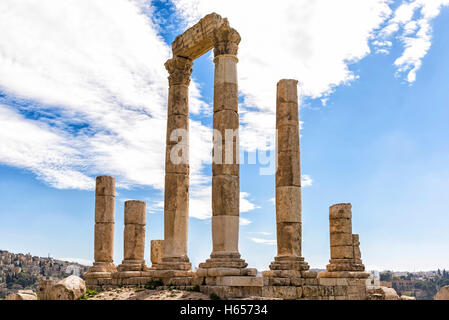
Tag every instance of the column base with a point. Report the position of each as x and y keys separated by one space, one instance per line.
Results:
x=289 y=263
x=100 y=270
x=173 y=263
x=223 y=264
x=131 y=266
x=336 y=265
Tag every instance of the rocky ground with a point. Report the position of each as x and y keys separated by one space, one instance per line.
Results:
x=145 y=294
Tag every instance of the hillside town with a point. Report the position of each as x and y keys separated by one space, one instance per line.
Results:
x=23 y=271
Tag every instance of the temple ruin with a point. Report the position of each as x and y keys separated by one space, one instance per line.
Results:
x=225 y=273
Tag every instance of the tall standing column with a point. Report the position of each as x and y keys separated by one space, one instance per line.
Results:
x=288 y=180
x=104 y=229
x=225 y=166
x=134 y=237
x=176 y=198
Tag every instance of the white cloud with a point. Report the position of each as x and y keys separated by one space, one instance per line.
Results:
x=264 y=241
x=306 y=180
x=312 y=41
x=412 y=20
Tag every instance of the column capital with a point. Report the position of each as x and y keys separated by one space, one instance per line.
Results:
x=226 y=41
x=180 y=70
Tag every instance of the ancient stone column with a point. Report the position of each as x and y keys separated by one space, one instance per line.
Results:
x=134 y=236
x=157 y=251
x=104 y=229
x=344 y=246
x=288 y=180
x=225 y=166
x=176 y=198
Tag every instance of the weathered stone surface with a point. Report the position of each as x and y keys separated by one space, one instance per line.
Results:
x=342 y=252
x=176 y=196
x=198 y=39
x=225 y=195
x=178 y=100
x=22 y=295
x=134 y=242
x=181 y=124
x=288 y=138
x=340 y=210
x=443 y=294
x=288 y=204
x=289 y=238
x=180 y=69
x=135 y=212
x=224 y=121
x=175 y=233
x=341 y=239
x=105 y=186
x=225 y=94
x=340 y=226
x=240 y=281
x=288 y=171
x=177 y=159
x=225 y=72
x=287 y=114
x=104 y=242
x=104 y=209
x=157 y=251
x=225 y=229
x=70 y=288
x=226 y=41
x=287 y=91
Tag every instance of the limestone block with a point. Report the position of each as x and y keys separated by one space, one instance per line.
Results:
x=340 y=211
x=226 y=96
x=226 y=120
x=288 y=171
x=225 y=169
x=135 y=212
x=175 y=122
x=220 y=272
x=178 y=100
x=288 y=138
x=240 y=281
x=22 y=295
x=225 y=231
x=70 y=288
x=287 y=90
x=289 y=238
x=105 y=186
x=443 y=294
x=104 y=209
x=176 y=195
x=341 y=252
x=225 y=69
x=340 y=239
x=288 y=204
x=175 y=233
x=225 y=195
x=104 y=242
x=310 y=291
x=340 y=226
x=281 y=292
x=134 y=242
x=198 y=39
x=287 y=113
x=177 y=159
x=157 y=251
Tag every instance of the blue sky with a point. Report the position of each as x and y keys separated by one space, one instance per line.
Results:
x=88 y=98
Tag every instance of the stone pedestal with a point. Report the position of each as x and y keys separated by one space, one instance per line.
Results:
x=345 y=259
x=134 y=239
x=288 y=183
x=104 y=229
x=176 y=197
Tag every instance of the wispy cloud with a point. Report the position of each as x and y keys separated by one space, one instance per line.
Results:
x=264 y=241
